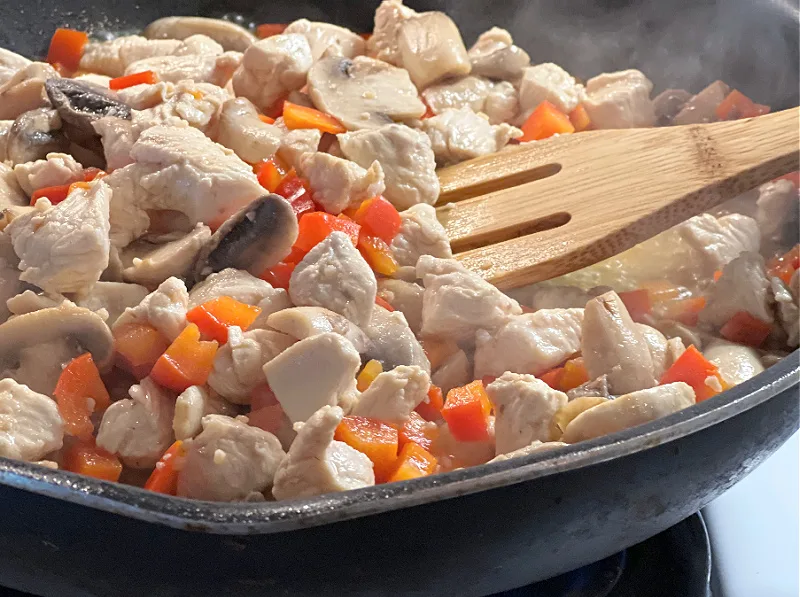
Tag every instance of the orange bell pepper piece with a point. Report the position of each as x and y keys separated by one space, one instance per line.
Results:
x=573 y=375
x=784 y=266
x=269 y=29
x=684 y=310
x=414 y=461
x=466 y=412
x=79 y=383
x=438 y=350
x=378 y=217
x=266 y=119
x=296 y=116
x=146 y=77
x=743 y=328
x=377 y=254
x=416 y=429
x=368 y=374
x=661 y=291
x=377 y=440
x=694 y=369
x=87 y=458
x=553 y=377
x=138 y=347
x=432 y=409
x=315 y=227
x=383 y=303
x=66 y=49
x=164 y=478
x=638 y=304
x=217 y=315
x=545 y=121
x=579 y=118
x=269 y=175
x=738 y=105
x=187 y=362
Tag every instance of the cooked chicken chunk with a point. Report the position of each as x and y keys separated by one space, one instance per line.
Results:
x=458 y=302
x=613 y=345
x=317 y=464
x=335 y=276
x=498 y=101
x=532 y=448
x=273 y=67
x=238 y=364
x=10 y=63
x=113 y=57
x=551 y=296
x=620 y=100
x=196 y=103
x=64 y=248
x=334 y=363
x=420 y=234
x=635 y=408
x=454 y=372
x=548 y=82
x=139 y=429
x=530 y=343
x=24 y=91
x=324 y=37
x=164 y=309
x=407 y=159
x=241 y=130
x=56 y=169
x=778 y=206
x=786 y=298
x=153 y=263
x=394 y=394
x=192 y=405
x=458 y=135
x=30 y=425
x=657 y=345
x=338 y=184
x=11 y=194
x=736 y=363
x=392 y=342
x=720 y=240
x=112 y=297
x=229 y=461
x=495 y=56
x=405 y=297
x=206 y=68
x=9 y=274
x=743 y=286
x=304 y=322
x=296 y=143
x=389 y=17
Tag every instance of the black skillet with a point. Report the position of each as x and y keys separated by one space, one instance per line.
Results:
x=466 y=533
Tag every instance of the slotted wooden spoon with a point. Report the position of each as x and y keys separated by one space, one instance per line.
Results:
x=548 y=208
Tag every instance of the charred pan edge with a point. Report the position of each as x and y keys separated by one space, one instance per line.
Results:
x=273 y=517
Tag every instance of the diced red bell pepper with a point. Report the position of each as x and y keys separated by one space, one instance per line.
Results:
x=87 y=458
x=378 y=217
x=279 y=274
x=432 y=409
x=217 y=315
x=553 y=377
x=296 y=116
x=545 y=121
x=269 y=175
x=54 y=194
x=269 y=29
x=291 y=186
x=784 y=266
x=743 y=328
x=738 y=105
x=315 y=227
x=146 y=77
x=138 y=347
x=377 y=254
x=187 y=362
x=383 y=303
x=466 y=411
x=694 y=369
x=92 y=173
x=638 y=304
x=66 y=49
x=377 y=440
x=79 y=383
x=265 y=410
x=414 y=461
x=684 y=310
x=416 y=429
x=304 y=204
x=164 y=478
x=792 y=177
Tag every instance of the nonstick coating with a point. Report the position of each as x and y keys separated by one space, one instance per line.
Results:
x=466 y=533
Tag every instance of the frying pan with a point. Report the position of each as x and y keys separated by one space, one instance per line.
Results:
x=470 y=532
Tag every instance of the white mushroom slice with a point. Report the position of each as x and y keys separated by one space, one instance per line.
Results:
x=630 y=410
x=56 y=169
x=620 y=100
x=338 y=184
x=304 y=322
x=548 y=82
x=657 y=345
x=736 y=363
x=65 y=248
x=229 y=461
x=613 y=345
x=335 y=276
x=458 y=135
x=524 y=407
x=786 y=299
x=229 y=35
x=533 y=448
x=238 y=363
x=430 y=49
x=743 y=286
x=31 y=424
x=407 y=160
x=241 y=130
x=25 y=90
x=164 y=308
x=207 y=68
x=112 y=297
x=392 y=342
x=113 y=57
x=405 y=297
x=529 y=343
x=324 y=37
x=389 y=16
x=334 y=363
x=454 y=372
x=34 y=134
x=363 y=93
x=719 y=241
x=95 y=79
x=458 y=302
x=317 y=464
x=393 y=394
x=272 y=67
x=152 y=264
x=296 y=143
x=192 y=405
x=495 y=56
x=139 y=429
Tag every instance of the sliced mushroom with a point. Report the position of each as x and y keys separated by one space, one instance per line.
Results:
x=325 y=38
x=229 y=35
x=241 y=130
x=363 y=92
x=700 y=108
x=34 y=134
x=23 y=91
x=431 y=49
x=668 y=103
x=304 y=322
x=254 y=239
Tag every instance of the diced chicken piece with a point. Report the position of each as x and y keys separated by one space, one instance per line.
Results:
x=499 y=101
x=620 y=100
x=675 y=348
x=743 y=286
x=152 y=264
x=786 y=298
x=229 y=461
x=304 y=322
x=392 y=342
x=458 y=135
x=11 y=62
x=407 y=159
x=64 y=248
x=24 y=91
x=11 y=193
x=613 y=345
x=389 y=16
x=144 y=96
x=113 y=57
x=199 y=104
x=191 y=406
x=630 y=410
x=335 y=276
x=139 y=429
x=551 y=296
x=720 y=240
x=56 y=169
x=10 y=285
x=533 y=448
x=657 y=345
x=31 y=426
x=317 y=464
x=199 y=45
x=296 y=143
x=549 y=82
x=112 y=297
x=394 y=394
x=241 y=130
x=529 y=343
x=405 y=297
x=165 y=309
x=597 y=388
x=238 y=364
x=524 y=407
x=430 y=48
x=420 y=234
x=458 y=302
x=502 y=103
x=778 y=211
x=338 y=184
x=495 y=56
x=456 y=371
x=701 y=107
x=324 y=37
x=736 y=363
x=334 y=363
x=453 y=453
x=273 y=67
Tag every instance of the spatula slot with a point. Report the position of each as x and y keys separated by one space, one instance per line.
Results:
x=475 y=241
x=496 y=180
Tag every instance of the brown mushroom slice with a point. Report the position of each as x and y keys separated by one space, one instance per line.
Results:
x=23 y=91
x=229 y=35
x=668 y=103
x=253 y=239
x=151 y=264
x=34 y=134
x=700 y=108
x=431 y=49
x=363 y=92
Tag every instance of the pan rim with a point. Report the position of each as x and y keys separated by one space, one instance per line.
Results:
x=243 y=518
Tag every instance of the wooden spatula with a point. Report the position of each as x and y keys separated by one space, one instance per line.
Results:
x=548 y=208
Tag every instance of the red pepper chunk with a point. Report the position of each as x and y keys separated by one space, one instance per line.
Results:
x=377 y=217
x=187 y=362
x=54 y=194
x=414 y=461
x=638 y=304
x=545 y=121
x=416 y=429
x=296 y=116
x=87 y=458
x=553 y=377
x=66 y=49
x=138 y=347
x=377 y=254
x=382 y=302
x=466 y=412
x=269 y=175
x=432 y=409
x=315 y=227
x=291 y=186
x=78 y=384
x=744 y=328
x=217 y=315
x=164 y=478
x=377 y=440
x=269 y=29
x=279 y=274
x=146 y=77
x=738 y=105
x=694 y=369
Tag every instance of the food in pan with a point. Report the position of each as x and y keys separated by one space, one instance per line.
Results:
x=222 y=275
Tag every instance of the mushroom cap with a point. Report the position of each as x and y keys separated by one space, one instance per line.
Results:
x=34 y=134
x=229 y=35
